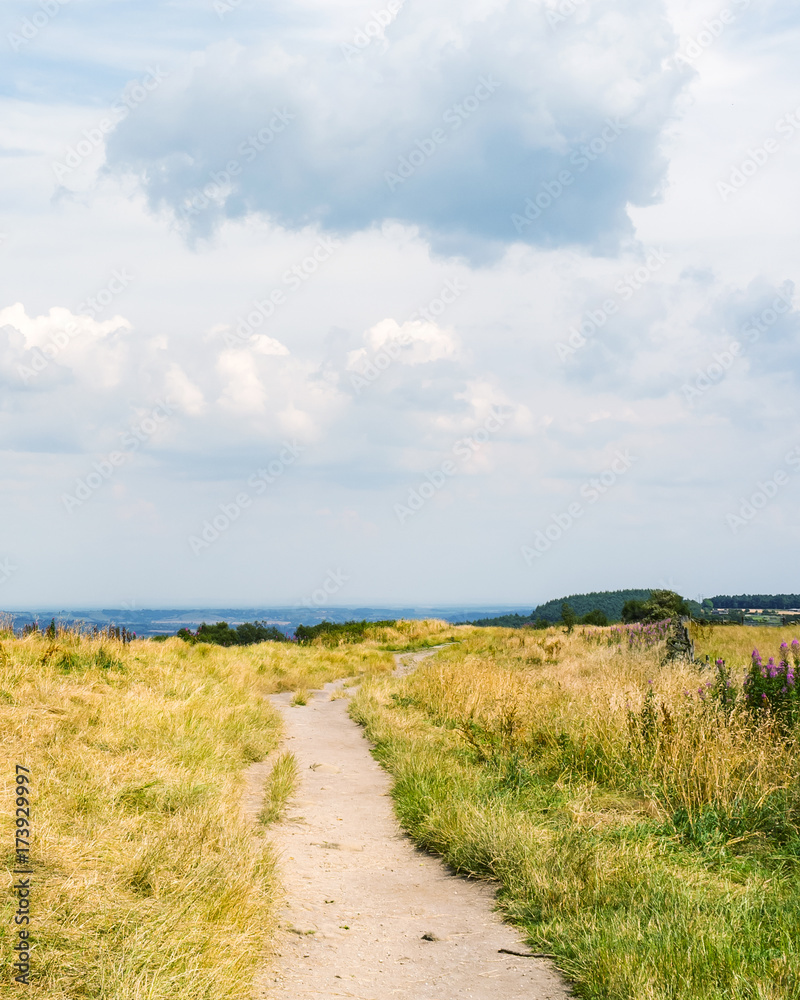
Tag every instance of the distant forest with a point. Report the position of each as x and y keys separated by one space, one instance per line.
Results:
x=610 y=602
x=774 y=602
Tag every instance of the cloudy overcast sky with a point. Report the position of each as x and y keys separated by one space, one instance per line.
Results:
x=397 y=302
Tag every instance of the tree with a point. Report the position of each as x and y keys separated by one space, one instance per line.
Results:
x=633 y=611
x=662 y=604
x=221 y=634
x=596 y=617
x=568 y=617
x=665 y=604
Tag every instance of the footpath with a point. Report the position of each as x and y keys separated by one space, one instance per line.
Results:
x=367 y=915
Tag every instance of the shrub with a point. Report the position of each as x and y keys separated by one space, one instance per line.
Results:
x=221 y=634
x=333 y=633
x=596 y=617
x=771 y=687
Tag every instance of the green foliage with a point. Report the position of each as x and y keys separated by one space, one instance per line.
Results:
x=772 y=687
x=633 y=611
x=615 y=605
x=774 y=602
x=507 y=621
x=610 y=602
x=660 y=605
x=221 y=634
x=568 y=617
x=332 y=633
x=596 y=617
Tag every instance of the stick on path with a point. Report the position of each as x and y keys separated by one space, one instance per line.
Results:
x=367 y=915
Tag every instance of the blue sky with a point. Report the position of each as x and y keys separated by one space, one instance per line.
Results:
x=397 y=302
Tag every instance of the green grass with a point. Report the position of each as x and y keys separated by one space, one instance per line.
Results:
x=636 y=902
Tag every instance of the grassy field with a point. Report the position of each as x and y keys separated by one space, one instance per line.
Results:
x=148 y=882
x=642 y=831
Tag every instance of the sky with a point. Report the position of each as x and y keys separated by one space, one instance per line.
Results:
x=335 y=303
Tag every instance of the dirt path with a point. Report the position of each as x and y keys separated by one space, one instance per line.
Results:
x=367 y=915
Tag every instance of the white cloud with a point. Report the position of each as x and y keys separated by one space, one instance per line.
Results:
x=187 y=395
x=242 y=390
x=268 y=345
x=412 y=343
x=493 y=347
x=92 y=352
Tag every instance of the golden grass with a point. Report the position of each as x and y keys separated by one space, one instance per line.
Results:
x=735 y=643
x=279 y=788
x=646 y=837
x=618 y=715
x=148 y=881
x=400 y=635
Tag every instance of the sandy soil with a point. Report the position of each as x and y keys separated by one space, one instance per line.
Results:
x=366 y=914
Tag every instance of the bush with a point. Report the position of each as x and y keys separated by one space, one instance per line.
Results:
x=596 y=617
x=332 y=633
x=662 y=604
x=771 y=687
x=221 y=634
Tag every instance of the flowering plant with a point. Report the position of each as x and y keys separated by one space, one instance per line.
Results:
x=636 y=636
x=772 y=686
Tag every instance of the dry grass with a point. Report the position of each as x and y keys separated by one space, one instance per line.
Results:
x=149 y=884
x=735 y=643
x=647 y=837
x=614 y=715
x=279 y=788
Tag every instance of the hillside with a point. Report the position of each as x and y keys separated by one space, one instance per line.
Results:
x=506 y=621
x=608 y=601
